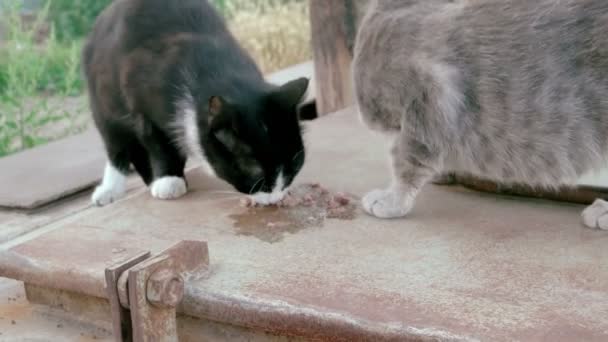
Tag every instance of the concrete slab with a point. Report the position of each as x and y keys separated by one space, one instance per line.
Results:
x=15 y=223
x=44 y=174
x=462 y=266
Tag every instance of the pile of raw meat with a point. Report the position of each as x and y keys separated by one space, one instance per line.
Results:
x=338 y=205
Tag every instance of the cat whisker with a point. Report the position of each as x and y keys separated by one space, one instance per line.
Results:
x=255 y=184
x=297 y=155
x=229 y=197
x=224 y=192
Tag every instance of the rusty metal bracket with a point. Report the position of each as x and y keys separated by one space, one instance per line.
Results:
x=121 y=322
x=151 y=288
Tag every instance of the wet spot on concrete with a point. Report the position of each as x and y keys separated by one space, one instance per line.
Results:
x=269 y=224
x=309 y=206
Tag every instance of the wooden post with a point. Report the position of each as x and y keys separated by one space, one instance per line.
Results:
x=334 y=26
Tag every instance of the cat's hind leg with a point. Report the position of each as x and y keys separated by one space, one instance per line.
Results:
x=123 y=150
x=140 y=159
x=113 y=184
x=112 y=187
x=595 y=216
x=167 y=165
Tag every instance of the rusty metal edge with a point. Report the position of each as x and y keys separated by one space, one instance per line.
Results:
x=16 y=267
x=186 y=259
x=283 y=319
x=121 y=321
x=192 y=254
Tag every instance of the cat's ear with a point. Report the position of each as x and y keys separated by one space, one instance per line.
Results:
x=291 y=93
x=221 y=115
x=308 y=111
x=216 y=103
x=216 y=109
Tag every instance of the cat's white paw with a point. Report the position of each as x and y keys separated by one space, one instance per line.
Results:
x=387 y=203
x=112 y=187
x=167 y=188
x=596 y=215
x=105 y=194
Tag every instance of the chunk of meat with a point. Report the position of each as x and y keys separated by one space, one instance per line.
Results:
x=248 y=202
x=307 y=203
x=309 y=195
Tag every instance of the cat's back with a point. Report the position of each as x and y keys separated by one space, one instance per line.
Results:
x=534 y=46
x=135 y=40
x=521 y=28
x=154 y=19
x=128 y=24
x=484 y=21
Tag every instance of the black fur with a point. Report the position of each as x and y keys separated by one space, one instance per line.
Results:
x=145 y=59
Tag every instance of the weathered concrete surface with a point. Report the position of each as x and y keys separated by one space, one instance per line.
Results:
x=15 y=223
x=463 y=265
x=41 y=175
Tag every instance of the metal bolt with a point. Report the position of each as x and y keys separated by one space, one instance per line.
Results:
x=165 y=289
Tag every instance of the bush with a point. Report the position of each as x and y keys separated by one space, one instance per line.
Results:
x=29 y=72
x=73 y=19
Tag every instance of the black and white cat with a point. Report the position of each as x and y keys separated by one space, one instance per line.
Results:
x=168 y=81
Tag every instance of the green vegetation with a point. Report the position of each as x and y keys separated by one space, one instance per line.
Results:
x=73 y=19
x=29 y=73
x=41 y=88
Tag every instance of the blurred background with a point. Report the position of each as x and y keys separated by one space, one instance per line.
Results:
x=41 y=87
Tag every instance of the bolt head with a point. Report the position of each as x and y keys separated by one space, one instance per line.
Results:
x=165 y=289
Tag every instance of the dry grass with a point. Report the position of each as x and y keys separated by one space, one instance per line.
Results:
x=276 y=34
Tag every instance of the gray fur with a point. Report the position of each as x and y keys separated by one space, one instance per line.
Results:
x=510 y=90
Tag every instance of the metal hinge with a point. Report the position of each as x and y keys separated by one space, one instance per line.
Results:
x=144 y=291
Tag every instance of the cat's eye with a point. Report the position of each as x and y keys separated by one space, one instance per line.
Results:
x=227 y=139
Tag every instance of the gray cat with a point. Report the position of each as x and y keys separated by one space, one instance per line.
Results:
x=511 y=90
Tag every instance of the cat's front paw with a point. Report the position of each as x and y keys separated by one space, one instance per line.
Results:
x=105 y=194
x=596 y=215
x=167 y=188
x=387 y=203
